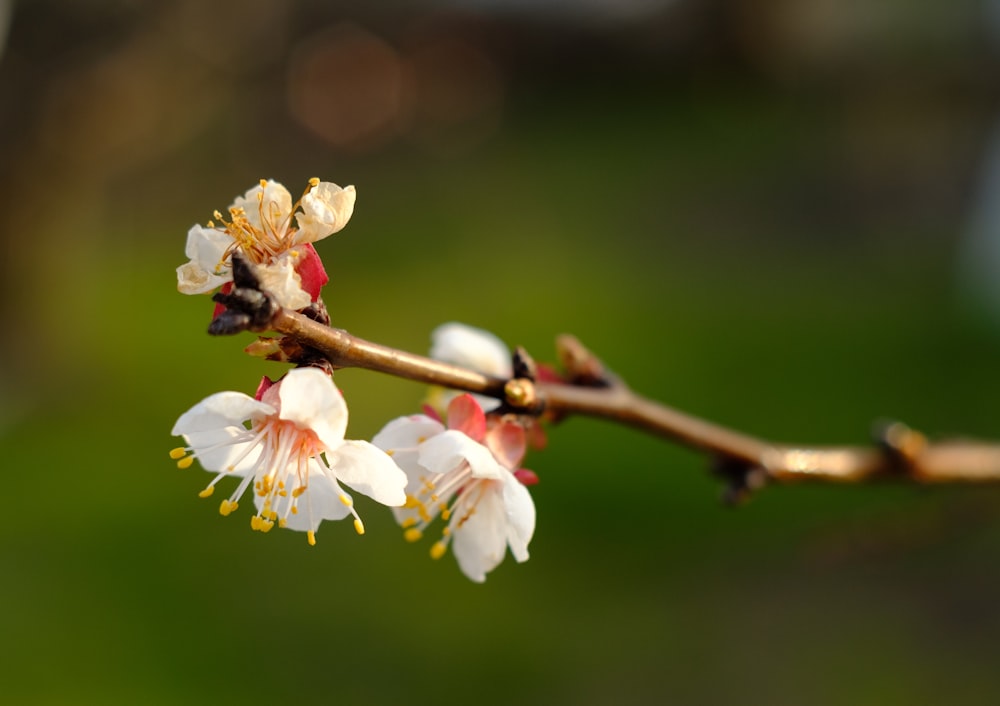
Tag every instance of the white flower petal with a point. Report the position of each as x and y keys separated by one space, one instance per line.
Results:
x=326 y=209
x=271 y=212
x=446 y=451
x=220 y=410
x=472 y=348
x=280 y=279
x=519 y=510
x=407 y=432
x=368 y=469
x=218 y=451
x=481 y=542
x=310 y=399
x=208 y=267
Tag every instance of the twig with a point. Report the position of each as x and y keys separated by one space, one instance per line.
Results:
x=744 y=461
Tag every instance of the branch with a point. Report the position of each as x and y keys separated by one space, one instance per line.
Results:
x=744 y=461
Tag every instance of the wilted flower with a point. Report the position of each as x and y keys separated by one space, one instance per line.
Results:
x=274 y=235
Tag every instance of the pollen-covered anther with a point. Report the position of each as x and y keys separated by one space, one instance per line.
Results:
x=227 y=506
x=346 y=500
x=412 y=534
x=438 y=549
x=207 y=492
x=359 y=526
x=311 y=538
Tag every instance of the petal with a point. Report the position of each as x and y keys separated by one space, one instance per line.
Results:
x=268 y=209
x=208 y=267
x=312 y=274
x=507 y=441
x=208 y=247
x=192 y=279
x=280 y=279
x=481 y=541
x=310 y=399
x=446 y=452
x=325 y=210
x=465 y=415
x=519 y=509
x=471 y=348
x=218 y=450
x=369 y=470
x=407 y=432
x=223 y=409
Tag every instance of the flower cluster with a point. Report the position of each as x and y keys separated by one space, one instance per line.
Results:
x=459 y=462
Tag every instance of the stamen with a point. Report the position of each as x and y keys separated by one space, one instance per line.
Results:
x=179 y=452
x=227 y=506
x=311 y=538
x=359 y=526
x=438 y=550
x=185 y=462
x=345 y=500
x=313 y=182
x=412 y=534
x=207 y=492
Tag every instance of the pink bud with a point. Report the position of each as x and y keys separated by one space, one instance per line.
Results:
x=526 y=477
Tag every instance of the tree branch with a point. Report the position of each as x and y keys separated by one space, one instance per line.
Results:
x=744 y=461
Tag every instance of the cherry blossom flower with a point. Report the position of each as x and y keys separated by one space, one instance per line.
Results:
x=261 y=226
x=294 y=453
x=472 y=348
x=464 y=474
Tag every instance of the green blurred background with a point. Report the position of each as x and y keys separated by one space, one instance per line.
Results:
x=775 y=214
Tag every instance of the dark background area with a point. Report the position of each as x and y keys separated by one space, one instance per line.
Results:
x=774 y=214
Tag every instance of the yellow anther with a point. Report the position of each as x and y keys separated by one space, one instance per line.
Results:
x=345 y=500
x=412 y=534
x=179 y=452
x=446 y=532
x=390 y=452
x=298 y=491
x=255 y=522
x=185 y=462
x=282 y=522
x=359 y=526
x=226 y=507
x=409 y=522
x=295 y=510
x=263 y=183
x=282 y=493
x=311 y=538
x=272 y=515
x=421 y=439
x=438 y=550
x=217 y=215
x=445 y=513
x=411 y=501
x=207 y=492
x=266 y=526
x=314 y=182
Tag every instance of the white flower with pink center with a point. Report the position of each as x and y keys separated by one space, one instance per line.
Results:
x=464 y=473
x=289 y=443
x=266 y=227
